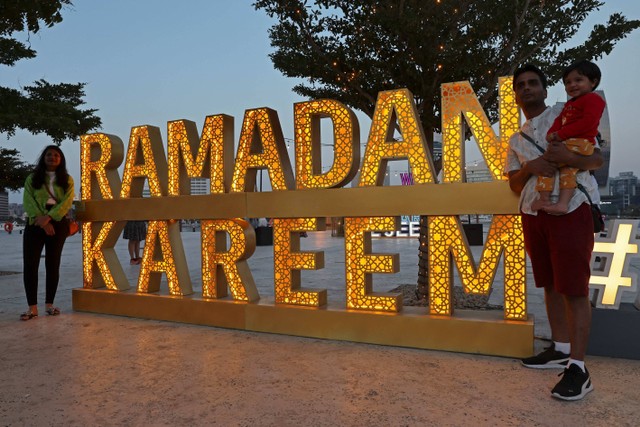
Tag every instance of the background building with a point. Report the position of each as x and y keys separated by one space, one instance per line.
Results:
x=477 y=171
x=16 y=210
x=624 y=196
x=199 y=186
x=625 y=186
x=4 y=205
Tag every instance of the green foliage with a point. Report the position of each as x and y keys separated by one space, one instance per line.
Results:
x=25 y=15
x=13 y=171
x=350 y=50
x=47 y=108
x=43 y=107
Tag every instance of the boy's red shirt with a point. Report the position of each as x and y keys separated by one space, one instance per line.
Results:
x=579 y=118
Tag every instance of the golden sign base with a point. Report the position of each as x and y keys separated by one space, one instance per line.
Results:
x=478 y=332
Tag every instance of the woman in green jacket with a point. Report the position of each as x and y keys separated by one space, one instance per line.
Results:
x=48 y=195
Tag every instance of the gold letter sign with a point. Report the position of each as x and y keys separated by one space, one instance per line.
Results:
x=225 y=293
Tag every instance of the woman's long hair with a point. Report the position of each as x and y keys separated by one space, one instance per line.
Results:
x=39 y=173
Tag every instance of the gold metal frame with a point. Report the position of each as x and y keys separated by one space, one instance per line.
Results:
x=493 y=197
x=467 y=332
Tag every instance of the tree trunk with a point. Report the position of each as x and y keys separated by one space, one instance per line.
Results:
x=422 y=289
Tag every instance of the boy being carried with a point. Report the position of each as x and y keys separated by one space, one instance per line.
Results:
x=576 y=127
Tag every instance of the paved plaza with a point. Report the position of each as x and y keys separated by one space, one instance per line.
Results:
x=83 y=368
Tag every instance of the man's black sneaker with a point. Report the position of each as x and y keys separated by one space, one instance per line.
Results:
x=574 y=384
x=548 y=359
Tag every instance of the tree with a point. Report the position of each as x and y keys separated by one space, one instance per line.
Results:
x=52 y=109
x=351 y=50
x=13 y=171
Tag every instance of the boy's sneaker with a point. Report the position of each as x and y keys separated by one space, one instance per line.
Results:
x=548 y=359
x=574 y=384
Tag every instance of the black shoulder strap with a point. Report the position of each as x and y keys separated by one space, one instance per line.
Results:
x=581 y=188
x=531 y=140
x=53 y=196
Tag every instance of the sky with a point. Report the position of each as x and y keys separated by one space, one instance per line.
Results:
x=150 y=62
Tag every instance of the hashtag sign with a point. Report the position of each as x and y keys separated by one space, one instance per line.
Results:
x=611 y=276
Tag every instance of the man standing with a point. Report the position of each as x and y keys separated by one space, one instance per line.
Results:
x=559 y=246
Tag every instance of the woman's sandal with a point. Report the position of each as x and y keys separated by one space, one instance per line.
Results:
x=27 y=315
x=53 y=311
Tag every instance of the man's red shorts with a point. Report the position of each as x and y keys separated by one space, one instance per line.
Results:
x=560 y=247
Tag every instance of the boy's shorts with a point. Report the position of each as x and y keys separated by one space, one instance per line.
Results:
x=560 y=247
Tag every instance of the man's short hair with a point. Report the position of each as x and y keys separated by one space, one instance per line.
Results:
x=585 y=68
x=529 y=68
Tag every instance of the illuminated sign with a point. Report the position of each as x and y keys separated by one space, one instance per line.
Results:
x=613 y=275
x=298 y=203
x=409 y=227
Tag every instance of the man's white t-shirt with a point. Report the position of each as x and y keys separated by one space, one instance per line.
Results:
x=521 y=150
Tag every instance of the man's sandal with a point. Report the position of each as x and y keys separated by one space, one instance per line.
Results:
x=27 y=315
x=53 y=311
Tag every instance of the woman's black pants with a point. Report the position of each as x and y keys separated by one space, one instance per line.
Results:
x=34 y=240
